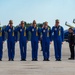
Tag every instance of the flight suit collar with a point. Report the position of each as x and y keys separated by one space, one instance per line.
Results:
x=57 y=26
x=23 y=27
x=11 y=27
x=46 y=28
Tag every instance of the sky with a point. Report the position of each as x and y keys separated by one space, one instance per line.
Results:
x=39 y=10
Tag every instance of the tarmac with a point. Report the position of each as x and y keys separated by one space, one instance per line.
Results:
x=40 y=67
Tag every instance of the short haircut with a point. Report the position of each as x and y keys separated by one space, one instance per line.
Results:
x=71 y=29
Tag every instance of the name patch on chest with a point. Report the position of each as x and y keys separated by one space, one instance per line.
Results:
x=9 y=30
x=32 y=29
x=20 y=30
x=55 y=29
x=43 y=30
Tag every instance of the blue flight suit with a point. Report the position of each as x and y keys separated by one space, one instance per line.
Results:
x=23 y=41
x=11 y=40
x=46 y=39
x=2 y=38
x=35 y=37
x=58 y=37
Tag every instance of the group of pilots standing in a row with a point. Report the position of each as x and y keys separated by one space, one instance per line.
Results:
x=56 y=34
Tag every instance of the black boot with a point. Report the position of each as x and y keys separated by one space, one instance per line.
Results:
x=0 y=59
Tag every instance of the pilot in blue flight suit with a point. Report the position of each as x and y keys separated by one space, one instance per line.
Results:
x=46 y=41
x=23 y=40
x=35 y=37
x=2 y=38
x=58 y=37
x=11 y=40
